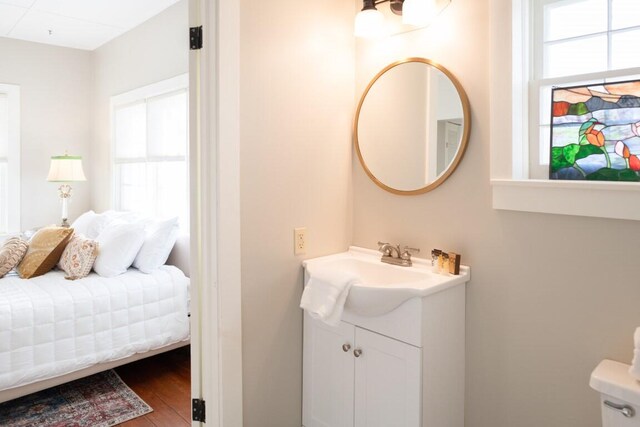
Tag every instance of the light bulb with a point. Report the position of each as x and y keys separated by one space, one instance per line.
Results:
x=369 y=23
x=421 y=12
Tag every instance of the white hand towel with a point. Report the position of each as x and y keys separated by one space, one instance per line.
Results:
x=325 y=294
x=634 y=370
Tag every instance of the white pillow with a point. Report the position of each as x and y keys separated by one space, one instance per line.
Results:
x=91 y=224
x=84 y=222
x=159 y=240
x=126 y=216
x=119 y=244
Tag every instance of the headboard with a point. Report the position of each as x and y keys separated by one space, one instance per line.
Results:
x=180 y=255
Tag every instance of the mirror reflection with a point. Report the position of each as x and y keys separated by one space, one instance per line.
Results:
x=410 y=126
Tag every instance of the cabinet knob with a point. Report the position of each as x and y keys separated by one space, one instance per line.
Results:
x=346 y=347
x=357 y=352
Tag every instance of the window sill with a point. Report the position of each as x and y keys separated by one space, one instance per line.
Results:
x=616 y=200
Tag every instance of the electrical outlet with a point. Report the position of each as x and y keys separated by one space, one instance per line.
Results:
x=300 y=240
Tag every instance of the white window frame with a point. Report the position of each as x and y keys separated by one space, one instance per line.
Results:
x=512 y=188
x=13 y=158
x=155 y=90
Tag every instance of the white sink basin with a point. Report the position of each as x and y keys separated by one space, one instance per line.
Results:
x=381 y=287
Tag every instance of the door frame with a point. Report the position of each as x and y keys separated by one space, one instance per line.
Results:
x=215 y=212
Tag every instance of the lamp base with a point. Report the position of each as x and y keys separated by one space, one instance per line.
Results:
x=65 y=195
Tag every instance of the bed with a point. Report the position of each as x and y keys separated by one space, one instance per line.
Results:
x=54 y=330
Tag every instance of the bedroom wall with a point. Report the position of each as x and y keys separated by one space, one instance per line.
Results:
x=155 y=50
x=550 y=296
x=296 y=101
x=56 y=95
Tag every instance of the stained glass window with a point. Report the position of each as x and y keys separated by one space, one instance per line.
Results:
x=595 y=132
x=577 y=42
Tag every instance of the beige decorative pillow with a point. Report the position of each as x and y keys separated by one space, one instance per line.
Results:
x=45 y=249
x=78 y=257
x=11 y=253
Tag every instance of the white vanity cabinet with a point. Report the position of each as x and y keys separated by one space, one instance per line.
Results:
x=409 y=372
x=397 y=358
x=354 y=377
x=387 y=381
x=328 y=386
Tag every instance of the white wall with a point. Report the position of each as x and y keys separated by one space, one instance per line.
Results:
x=155 y=50
x=550 y=295
x=56 y=94
x=296 y=114
x=65 y=96
x=406 y=123
x=448 y=101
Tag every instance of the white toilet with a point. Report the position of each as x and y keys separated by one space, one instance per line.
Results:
x=619 y=394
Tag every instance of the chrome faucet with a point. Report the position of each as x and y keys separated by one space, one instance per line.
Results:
x=387 y=249
x=392 y=254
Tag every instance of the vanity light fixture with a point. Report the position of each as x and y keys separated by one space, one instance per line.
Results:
x=369 y=19
x=419 y=13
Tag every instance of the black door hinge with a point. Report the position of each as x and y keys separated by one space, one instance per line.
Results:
x=195 y=38
x=199 y=411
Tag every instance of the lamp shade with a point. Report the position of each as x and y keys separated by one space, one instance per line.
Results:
x=421 y=12
x=368 y=23
x=66 y=169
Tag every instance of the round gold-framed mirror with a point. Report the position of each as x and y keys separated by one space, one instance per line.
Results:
x=412 y=126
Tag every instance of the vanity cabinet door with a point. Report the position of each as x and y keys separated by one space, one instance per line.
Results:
x=388 y=378
x=327 y=374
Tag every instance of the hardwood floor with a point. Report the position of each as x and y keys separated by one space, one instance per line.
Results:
x=164 y=382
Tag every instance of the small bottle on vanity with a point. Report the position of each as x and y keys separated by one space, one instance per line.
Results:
x=435 y=255
x=454 y=263
x=445 y=264
x=440 y=262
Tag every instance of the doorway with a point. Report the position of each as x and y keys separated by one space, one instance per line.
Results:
x=77 y=59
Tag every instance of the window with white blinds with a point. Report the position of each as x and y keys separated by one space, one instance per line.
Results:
x=9 y=159
x=150 y=151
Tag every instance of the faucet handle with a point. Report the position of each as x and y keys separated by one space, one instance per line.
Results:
x=408 y=252
x=384 y=247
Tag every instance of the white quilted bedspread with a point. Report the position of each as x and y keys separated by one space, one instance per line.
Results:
x=50 y=326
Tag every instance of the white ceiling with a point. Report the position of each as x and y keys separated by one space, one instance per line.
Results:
x=81 y=24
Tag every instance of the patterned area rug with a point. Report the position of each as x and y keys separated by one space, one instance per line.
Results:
x=97 y=401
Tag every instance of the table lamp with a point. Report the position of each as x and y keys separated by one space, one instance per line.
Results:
x=65 y=169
